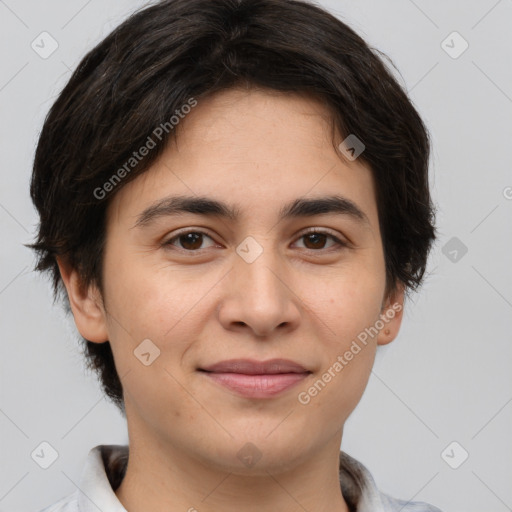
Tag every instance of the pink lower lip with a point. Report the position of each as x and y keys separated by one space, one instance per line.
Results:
x=257 y=386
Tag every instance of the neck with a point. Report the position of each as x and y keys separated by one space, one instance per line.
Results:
x=165 y=479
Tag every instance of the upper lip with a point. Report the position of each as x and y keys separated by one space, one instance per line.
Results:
x=253 y=367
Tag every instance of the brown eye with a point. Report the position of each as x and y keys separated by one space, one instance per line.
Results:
x=189 y=241
x=317 y=240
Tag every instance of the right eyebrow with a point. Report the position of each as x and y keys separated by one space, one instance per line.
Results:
x=174 y=205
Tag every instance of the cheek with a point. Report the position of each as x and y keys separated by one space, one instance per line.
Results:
x=347 y=361
x=151 y=299
x=348 y=302
x=154 y=318
x=345 y=309
x=166 y=307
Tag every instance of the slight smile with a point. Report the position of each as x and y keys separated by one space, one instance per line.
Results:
x=256 y=379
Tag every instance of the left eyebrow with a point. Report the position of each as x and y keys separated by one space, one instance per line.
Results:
x=300 y=207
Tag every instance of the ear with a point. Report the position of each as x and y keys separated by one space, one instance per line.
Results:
x=86 y=305
x=391 y=315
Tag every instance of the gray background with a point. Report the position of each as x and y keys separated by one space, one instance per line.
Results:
x=445 y=378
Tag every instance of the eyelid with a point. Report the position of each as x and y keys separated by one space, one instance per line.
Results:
x=323 y=231
x=185 y=231
x=340 y=241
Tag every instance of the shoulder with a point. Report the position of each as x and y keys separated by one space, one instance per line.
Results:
x=395 y=505
x=360 y=489
x=67 y=504
x=104 y=469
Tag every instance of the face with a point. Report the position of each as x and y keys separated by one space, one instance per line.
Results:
x=201 y=287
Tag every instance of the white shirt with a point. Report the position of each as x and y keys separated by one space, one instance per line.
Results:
x=106 y=465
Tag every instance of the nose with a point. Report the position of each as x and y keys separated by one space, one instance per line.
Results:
x=259 y=297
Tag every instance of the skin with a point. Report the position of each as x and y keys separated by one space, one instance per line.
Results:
x=306 y=301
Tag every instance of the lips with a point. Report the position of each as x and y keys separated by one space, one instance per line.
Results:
x=253 y=367
x=256 y=379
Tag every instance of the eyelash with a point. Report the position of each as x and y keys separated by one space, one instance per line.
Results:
x=340 y=243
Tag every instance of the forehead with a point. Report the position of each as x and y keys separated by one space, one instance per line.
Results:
x=243 y=117
x=252 y=146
